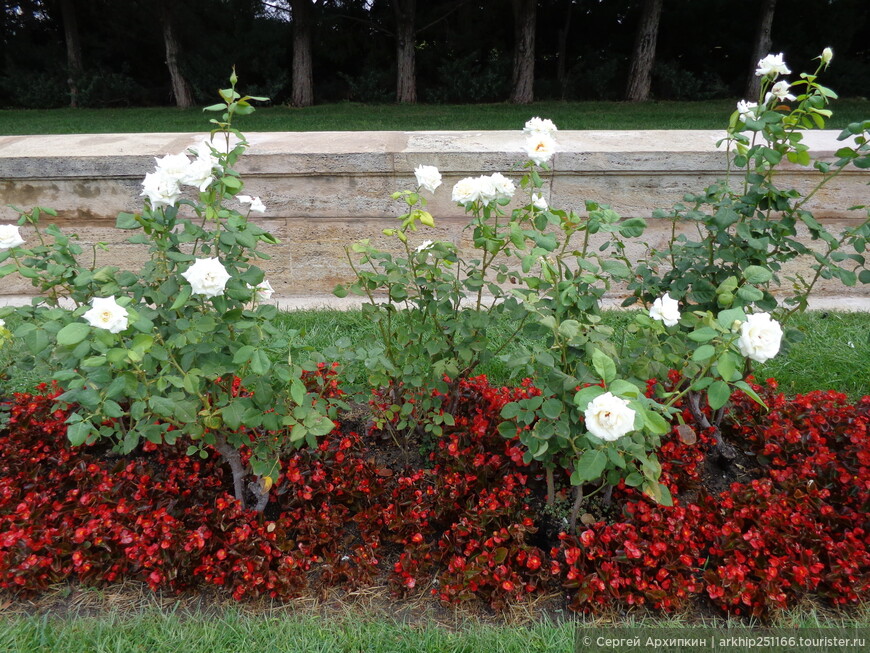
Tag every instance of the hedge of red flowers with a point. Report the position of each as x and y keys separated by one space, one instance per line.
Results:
x=466 y=524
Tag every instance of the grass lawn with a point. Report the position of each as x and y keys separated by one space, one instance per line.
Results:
x=833 y=355
x=174 y=626
x=349 y=116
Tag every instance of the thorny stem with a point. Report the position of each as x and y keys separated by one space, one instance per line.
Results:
x=551 y=486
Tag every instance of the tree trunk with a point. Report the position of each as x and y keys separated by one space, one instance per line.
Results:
x=562 y=63
x=303 y=76
x=180 y=86
x=761 y=48
x=643 y=59
x=73 y=49
x=525 y=17
x=406 y=73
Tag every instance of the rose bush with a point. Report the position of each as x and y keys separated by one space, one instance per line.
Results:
x=185 y=350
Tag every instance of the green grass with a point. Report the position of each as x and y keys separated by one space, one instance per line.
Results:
x=833 y=355
x=232 y=630
x=349 y=116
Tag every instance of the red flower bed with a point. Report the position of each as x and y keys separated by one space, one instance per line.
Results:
x=467 y=525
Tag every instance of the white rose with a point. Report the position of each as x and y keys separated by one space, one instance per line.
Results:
x=174 y=164
x=207 y=277
x=199 y=174
x=256 y=204
x=106 y=313
x=827 y=55
x=608 y=417
x=665 y=309
x=2 y=323
x=504 y=187
x=486 y=189
x=264 y=291
x=466 y=191
x=772 y=66
x=426 y=244
x=746 y=109
x=760 y=337
x=539 y=202
x=538 y=126
x=161 y=188
x=428 y=177
x=780 y=92
x=540 y=148
x=9 y=236
x=203 y=150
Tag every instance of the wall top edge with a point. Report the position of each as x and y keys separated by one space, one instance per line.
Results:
x=84 y=146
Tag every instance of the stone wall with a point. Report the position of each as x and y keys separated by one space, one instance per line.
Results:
x=324 y=190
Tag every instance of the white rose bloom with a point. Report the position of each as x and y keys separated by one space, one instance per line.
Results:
x=538 y=126
x=161 y=188
x=608 y=417
x=772 y=66
x=106 y=313
x=539 y=202
x=540 y=148
x=780 y=91
x=264 y=291
x=9 y=236
x=746 y=109
x=207 y=276
x=760 y=337
x=504 y=187
x=486 y=189
x=827 y=55
x=665 y=309
x=466 y=191
x=2 y=323
x=428 y=177
x=176 y=166
x=199 y=174
x=256 y=204
x=426 y=244
x=203 y=150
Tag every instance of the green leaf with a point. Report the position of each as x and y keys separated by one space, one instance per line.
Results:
x=589 y=467
x=718 y=394
x=507 y=430
x=297 y=391
x=78 y=433
x=551 y=408
x=233 y=414
x=73 y=334
x=126 y=221
x=604 y=365
x=260 y=363
x=727 y=318
x=728 y=365
x=243 y=355
x=703 y=353
x=182 y=298
x=704 y=334
x=743 y=385
x=755 y=274
x=162 y=405
x=36 y=341
x=622 y=388
x=655 y=423
x=321 y=426
x=584 y=396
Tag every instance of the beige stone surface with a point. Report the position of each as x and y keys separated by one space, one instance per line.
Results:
x=325 y=190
